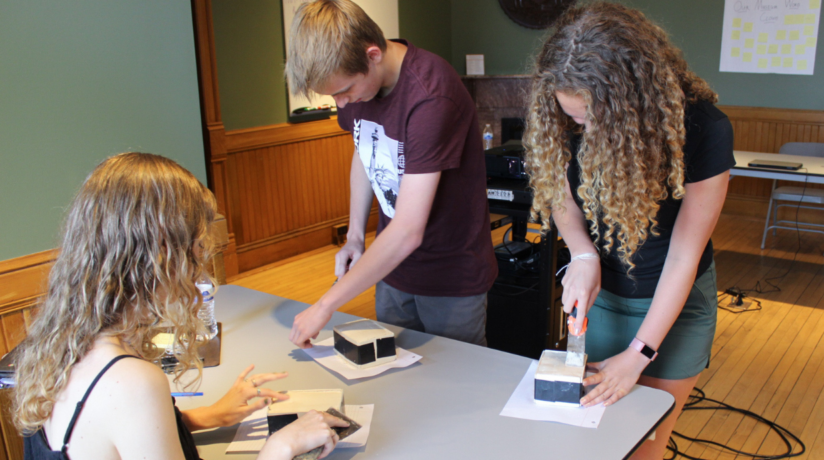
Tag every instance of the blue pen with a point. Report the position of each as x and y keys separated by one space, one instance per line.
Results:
x=186 y=393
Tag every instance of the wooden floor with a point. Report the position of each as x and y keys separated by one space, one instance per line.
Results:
x=770 y=362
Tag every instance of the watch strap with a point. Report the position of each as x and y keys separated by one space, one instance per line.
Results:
x=644 y=349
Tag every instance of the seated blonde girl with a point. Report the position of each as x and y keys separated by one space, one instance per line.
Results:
x=135 y=242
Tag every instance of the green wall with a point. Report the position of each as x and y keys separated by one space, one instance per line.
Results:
x=695 y=27
x=427 y=24
x=249 y=48
x=480 y=26
x=80 y=81
x=249 y=43
x=250 y=55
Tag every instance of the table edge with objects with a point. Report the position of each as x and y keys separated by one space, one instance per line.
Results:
x=812 y=171
x=446 y=406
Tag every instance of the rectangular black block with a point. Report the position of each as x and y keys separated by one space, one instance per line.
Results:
x=363 y=354
x=277 y=422
x=555 y=391
x=386 y=347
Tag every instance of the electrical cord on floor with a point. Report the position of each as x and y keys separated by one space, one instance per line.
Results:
x=737 y=297
x=785 y=434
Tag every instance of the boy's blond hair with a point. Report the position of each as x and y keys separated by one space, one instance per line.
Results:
x=329 y=37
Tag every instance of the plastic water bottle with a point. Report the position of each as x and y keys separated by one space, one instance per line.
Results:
x=207 y=310
x=487 y=137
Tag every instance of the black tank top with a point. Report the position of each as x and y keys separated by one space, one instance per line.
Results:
x=36 y=446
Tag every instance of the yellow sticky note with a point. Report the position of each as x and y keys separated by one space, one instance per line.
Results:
x=762 y=49
x=749 y=43
x=786 y=49
x=736 y=34
x=736 y=52
x=800 y=49
x=747 y=27
x=763 y=37
x=776 y=62
x=762 y=63
x=747 y=57
x=815 y=4
x=781 y=35
x=736 y=22
x=808 y=30
x=810 y=41
x=789 y=19
x=795 y=35
x=773 y=49
x=809 y=19
x=801 y=65
x=788 y=62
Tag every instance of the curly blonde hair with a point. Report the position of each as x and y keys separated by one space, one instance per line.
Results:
x=127 y=269
x=635 y=84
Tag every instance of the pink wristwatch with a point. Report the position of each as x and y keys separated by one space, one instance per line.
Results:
x=643 y=348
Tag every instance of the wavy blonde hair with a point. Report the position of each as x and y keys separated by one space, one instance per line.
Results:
x=635 y=84
x=126 y=269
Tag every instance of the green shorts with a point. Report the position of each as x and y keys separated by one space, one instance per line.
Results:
x=685 y=351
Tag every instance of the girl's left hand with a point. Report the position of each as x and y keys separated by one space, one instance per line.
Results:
x=615 y=377
x=235 y=405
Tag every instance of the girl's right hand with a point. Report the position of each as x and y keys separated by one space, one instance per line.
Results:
x=582 y=283
x=311 y=430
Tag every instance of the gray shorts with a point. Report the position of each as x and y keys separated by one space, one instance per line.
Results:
x=459 y=318
x=685 y=351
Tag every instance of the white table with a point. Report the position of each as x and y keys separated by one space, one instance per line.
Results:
x=444 y=407
x=812 y=172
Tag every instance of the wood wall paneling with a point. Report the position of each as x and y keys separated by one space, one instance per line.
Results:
x=281 y=187
x=289 y=185
x=214 y=133
x=12 y=444
x=22 y=280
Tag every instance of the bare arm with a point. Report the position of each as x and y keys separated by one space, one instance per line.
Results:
x=360 y=204
x=399 y=239
x=147 y=426
x=582 y=279
x=693 y=227
x=244 y=397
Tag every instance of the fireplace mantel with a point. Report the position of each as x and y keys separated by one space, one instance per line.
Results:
x=496 y=97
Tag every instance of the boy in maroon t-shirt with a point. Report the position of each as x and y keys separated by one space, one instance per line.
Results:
x=418 y=149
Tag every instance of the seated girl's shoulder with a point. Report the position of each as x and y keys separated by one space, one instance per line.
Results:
x=135 y=378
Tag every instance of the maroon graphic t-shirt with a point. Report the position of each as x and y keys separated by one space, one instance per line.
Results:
x=428 y=124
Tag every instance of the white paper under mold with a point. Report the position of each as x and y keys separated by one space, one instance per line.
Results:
x=522 y=405
x=324 y=353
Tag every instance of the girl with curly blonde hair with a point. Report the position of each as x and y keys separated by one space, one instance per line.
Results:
x=630 y=158
x=135 y=242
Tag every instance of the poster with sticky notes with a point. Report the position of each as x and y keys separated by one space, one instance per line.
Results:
x=765 y=27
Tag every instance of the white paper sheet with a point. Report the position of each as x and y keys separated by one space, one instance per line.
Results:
x=770 y=36
x=253 y=431
x=324 y=353
x=522 y=405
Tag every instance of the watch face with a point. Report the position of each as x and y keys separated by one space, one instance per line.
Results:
x=535 y=14
x=648 y=352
